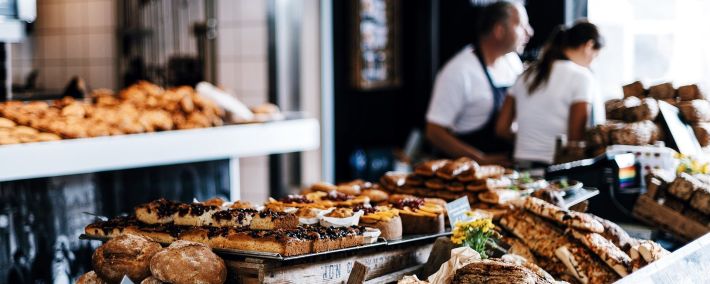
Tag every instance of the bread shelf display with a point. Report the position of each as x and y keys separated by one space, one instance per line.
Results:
x=678 y=205
x=76 y=156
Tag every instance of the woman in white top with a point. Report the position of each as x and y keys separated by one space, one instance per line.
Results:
x=554 y=96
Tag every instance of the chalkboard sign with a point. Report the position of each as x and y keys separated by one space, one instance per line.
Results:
x=679 y=134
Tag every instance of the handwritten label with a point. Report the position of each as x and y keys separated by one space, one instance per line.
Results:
x=457 y=210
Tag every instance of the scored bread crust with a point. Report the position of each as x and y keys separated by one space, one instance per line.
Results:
x=188 y=262
x=124 y=255
x=614 y=257
x=569 y=218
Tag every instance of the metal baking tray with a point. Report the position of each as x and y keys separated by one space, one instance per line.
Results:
x=414 y=238
x=276 y=256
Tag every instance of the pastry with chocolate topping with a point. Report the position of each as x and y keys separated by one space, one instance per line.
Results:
x=157 y=212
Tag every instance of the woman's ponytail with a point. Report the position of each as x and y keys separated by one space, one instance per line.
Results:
x=560 y=39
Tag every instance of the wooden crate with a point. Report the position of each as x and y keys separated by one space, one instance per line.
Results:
x=649 y=211
x=333 y=268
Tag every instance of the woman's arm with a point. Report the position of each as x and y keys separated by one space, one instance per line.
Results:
x=578 y=115
x=505 y=119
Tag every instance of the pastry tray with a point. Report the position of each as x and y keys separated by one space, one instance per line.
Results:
x=276 y=256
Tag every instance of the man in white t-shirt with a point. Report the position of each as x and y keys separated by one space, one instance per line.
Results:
x=466 y=97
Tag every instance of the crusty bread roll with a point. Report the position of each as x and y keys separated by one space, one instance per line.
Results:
x=634 y=89
x=124 y=255
x=185 y=262
x=90 y=278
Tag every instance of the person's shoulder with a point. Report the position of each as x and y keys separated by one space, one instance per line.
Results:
x=574 y=70
x=463 y=61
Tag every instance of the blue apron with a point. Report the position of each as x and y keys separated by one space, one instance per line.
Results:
x=485 y=138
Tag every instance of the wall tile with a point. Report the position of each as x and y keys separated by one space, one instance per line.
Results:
x=53 y=77
x=228 y=42
x=254 y=181
x=227 y=11
x=75 y=14
x=75 y=46
x=101 y=13
x=101 y=76
x=229 y=75
x=254 y=77
x=101 y=45
x=253 y=41
x=50 y=15
x=52 y=46
x=250 y=10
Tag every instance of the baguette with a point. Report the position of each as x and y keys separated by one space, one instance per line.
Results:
x=562 y=217
x=614 y=257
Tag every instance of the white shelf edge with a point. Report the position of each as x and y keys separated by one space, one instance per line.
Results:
x=76 y=156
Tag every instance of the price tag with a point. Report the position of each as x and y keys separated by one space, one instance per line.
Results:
x=457 y=210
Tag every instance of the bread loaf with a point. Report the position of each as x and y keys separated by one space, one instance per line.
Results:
x=701 y=199
x=124 y=255
x=689 y=93
x=185 y=262
x=662 y=91
x=684 y=186
x=646 y=110
x=634 y=89
x=637 y=133
x=702 y=133
x=695 y=111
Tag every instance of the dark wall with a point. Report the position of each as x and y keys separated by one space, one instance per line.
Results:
x=380 y=118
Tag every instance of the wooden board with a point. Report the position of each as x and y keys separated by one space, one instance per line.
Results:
x=649 y=211
x=333 y=269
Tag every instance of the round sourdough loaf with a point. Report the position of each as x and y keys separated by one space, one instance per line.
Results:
x=186 y=262
x=124 y=255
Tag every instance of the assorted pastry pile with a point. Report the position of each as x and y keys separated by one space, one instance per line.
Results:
x=492 y=185
x=143 y=107
x=147 y=262
x=573 y=246
x=685 y=193
x=233 y=226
